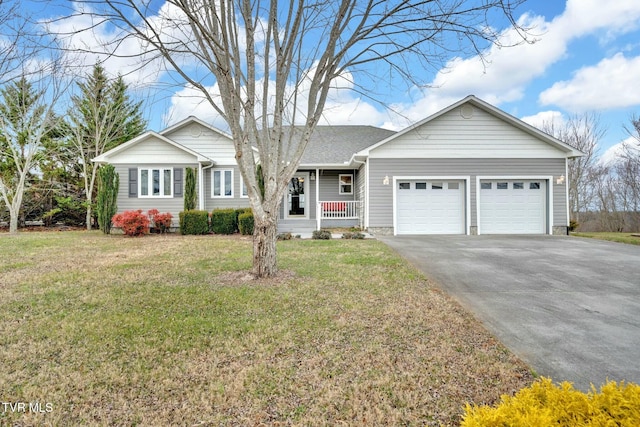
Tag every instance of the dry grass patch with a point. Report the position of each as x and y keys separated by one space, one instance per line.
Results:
x=169 y=330
x=629 y=238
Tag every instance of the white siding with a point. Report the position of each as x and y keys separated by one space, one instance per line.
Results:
x=206 y=142
x=480 y=136
x=152 y=151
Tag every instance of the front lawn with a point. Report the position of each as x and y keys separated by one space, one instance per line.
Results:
x=168 y=330
x=613 y=237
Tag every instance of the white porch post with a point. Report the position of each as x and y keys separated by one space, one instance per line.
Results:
x=200 y=187
x=318 y=207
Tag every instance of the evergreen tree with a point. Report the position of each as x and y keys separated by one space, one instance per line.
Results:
x=190 y=190
x=102 y=116
x=108 y=183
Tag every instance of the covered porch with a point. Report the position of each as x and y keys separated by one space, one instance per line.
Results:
x=322 y=198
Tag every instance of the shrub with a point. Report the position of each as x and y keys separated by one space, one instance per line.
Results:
x=160 y=221
x=190 y=195
x=573 y=225
x=546 y=404
x=321 y=235
x=108 y=184
x=133 y=223
x=284 y=236
x=194 y=222
x=350 y=235
x=245 y=223
x=224 y=221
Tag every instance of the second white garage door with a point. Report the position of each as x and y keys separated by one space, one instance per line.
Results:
x=513 y=206
x=430 y=207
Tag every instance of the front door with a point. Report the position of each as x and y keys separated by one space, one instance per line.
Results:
x=296 y=200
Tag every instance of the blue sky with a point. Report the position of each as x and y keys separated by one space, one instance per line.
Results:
x=586 y=58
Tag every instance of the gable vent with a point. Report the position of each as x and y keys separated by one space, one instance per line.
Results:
x=466 y=111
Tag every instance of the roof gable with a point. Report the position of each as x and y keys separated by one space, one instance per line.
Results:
x=476 y=129
x=150 y=147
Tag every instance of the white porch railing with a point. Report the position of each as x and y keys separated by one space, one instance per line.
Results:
x=337 y=210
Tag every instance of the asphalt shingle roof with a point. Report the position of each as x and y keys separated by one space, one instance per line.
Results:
x=337 y=144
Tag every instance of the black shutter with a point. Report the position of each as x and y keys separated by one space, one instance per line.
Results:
x=133 y=182
x=177 y=182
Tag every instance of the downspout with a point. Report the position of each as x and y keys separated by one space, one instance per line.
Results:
x=201 y=196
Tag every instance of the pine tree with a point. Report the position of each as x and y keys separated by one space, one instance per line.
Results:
x=102 y=116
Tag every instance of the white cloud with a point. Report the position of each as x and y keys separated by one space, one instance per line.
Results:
x=341 y=107
x=546 y=118
x=609 y=84
x=615 y=152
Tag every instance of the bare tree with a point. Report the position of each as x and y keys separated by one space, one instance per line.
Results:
x=583 y=132
x=274 y=64
x=27 y=118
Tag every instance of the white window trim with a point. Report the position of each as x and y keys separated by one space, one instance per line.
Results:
x=242 y=186
x=150 y=182
x=340 y=184
x=222 y=184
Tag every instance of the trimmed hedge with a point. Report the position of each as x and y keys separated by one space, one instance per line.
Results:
x=245 y=223
x=547 y=404
x=194 y=222
x=224 y=221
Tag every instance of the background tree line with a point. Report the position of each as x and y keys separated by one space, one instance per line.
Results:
x=604 y=194
x=46 y=173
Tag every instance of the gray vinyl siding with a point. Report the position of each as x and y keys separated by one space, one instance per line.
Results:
x=329 y=185
x=170 y=204
x=481 y=136
x=207 y=142
x=381 y=196
x=236 y=201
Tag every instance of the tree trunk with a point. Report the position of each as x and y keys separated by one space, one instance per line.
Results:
x=13 y=221
x=88 y=219
x=264 y=247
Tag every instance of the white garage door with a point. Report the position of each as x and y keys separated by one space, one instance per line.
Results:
x=513 y=206
x=430 y=207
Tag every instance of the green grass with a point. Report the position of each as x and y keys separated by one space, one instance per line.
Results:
x=613 y=237
x=168 y=330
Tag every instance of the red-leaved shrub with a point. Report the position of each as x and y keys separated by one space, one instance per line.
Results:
x=160 y=221
x=133 y=223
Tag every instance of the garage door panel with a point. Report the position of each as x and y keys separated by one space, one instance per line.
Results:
x=430 y=207
x=512 y=206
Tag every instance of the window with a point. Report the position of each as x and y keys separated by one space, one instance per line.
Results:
x=156 y=182
x=222 y=183
x=346 y=184
x=518 y=185
x=436 y=186
x=534 y=185
x=421 y=185
x=453 y=185
x=485 y=186
x=404 y=186
x=243 y=188
x=502 y=185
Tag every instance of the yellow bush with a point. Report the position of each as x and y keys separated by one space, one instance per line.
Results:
x=546 y=404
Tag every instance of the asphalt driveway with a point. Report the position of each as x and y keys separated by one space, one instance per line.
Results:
x=570 y=307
